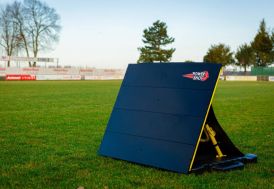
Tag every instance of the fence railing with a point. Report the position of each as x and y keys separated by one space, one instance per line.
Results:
x=269 y=71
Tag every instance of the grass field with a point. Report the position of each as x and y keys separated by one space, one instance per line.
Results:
x=50 y=133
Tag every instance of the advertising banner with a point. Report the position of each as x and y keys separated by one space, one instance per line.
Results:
x=271 y=78
x=18 y=77
x=241 y=78
x=58 y=77
x=102 y=77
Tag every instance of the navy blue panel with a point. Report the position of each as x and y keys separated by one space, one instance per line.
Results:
x=164 y=100
x=155 y=126
x=170 y=75
x=158 y=114
x=147 y=151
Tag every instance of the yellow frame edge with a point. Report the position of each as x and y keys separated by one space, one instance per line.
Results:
x=197 y=144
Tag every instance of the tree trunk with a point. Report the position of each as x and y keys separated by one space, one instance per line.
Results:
x=35 y=49
x=9 y=53
x=35 y=55
x=27 y=50
x=26 y=46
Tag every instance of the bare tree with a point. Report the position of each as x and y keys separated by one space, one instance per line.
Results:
x=42 y=25
x=9 y=31
x=31 y=26
x=19 y=16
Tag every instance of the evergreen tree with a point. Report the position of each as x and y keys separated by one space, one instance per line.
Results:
x=245 y=56
x=272 y=38
x=155 y=39
x=219 y=54
x=272 y=52
x=263 y=46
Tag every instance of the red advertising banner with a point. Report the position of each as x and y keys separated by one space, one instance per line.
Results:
x=14 y=77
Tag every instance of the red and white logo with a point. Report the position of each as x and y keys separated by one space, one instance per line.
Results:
x=200 y=76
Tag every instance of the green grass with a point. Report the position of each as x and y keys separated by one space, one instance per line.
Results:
x=50 y=133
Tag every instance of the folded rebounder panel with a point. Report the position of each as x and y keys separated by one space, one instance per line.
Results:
x=163 y=118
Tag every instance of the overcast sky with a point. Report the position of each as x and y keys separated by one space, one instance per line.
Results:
x=106 y=34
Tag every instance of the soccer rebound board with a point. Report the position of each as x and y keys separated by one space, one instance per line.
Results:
x=160 y=115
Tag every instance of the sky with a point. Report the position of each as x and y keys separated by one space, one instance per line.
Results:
x=106 y=34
